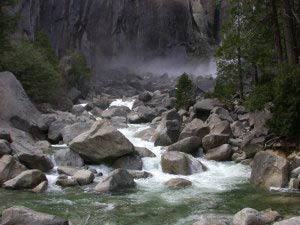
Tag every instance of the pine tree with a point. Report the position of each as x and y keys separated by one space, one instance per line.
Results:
x=185 y=93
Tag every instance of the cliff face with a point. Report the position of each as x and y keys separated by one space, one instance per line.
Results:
x=109 y=31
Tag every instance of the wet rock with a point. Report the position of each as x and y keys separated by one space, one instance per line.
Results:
x=117 y=180
x=168 y=129
x=100 y=142
x=130 y=162
x=178 y=183
x=195 y=128
x=136 y=174
x=187 y=145
x=70 y=171
x=9 y=168
x=269 y=170
x=67 y=182
x=221 y=153
x=146 y=134
x=4 y=147
x=211 y=141
x=291 y=221
x=203 y=107
x=144 y=152
x=19 y=215
x=113 y=111
x=31 y=156
x=84 y=177
x=180 y=163
x=294 y=183
x=249 y=216
x=67 y=157
x=41 y=187
x=69 y=132
x=26 y=180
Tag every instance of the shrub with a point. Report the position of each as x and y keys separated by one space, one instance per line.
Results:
x=185 y=93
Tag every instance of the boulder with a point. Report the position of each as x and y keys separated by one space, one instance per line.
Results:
x=4 y=147
x=118 y=122
x=221 y=153
x=291 y=221
x=222 y=113
x=31 y=156
x=168 y=129
x=113 y=111
x=187 y=145
x=222 y=127
x=211 y=141
x=70 y=171
x=251 y=149
x=117 y=180
x=129 y=162
x=102 y=102
x=67 y=157
x=180 y=163
x=259 y=119
x=43 y=145
x=26 y=180
x=15 y=105
x=237 y=128
x=269 y=170
x=67 y=182
x=294 y=183
x=178 y=183
x=74 y=94
x=78 y=109
x=137 y=174
x=84 y=177
x=9 y=168
x=203 y=107
x=102 y=141
x=295 y=172
x=69 y=132
x=195 y=128
x=97 y=112
x=41 y=187
x=145 y=96
x=146 y=134
x=249 y=216
x=144 y=152
x=19 y=215
x=142 y=114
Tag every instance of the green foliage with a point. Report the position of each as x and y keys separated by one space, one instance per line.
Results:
x=185 y=93
x=31 y=66
x=78 y=72
x=286 y=109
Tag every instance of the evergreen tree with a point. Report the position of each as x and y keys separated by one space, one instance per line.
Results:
x=185 y=94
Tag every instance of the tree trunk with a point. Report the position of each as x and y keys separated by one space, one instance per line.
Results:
x=276 y=31
x=286 y=11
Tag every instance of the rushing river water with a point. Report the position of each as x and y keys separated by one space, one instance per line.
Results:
x=223 y=189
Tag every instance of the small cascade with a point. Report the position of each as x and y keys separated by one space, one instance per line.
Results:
x=120 y=102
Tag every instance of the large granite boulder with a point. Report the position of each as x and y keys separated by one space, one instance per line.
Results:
x=144 y=152
x=249 y=216
x=84 y=177
x=19 y=215
x=142 y=114
x=269 y=170
x=180 y=163
x=113 y=111
x=9 y=168
x=26 y=180
x=4 y=147
x=203 y=107
x=221 y=153
x=129 y=162
x=69 y=132
x=291 y=221
x=31 y=156
x=15 y=105
x=187 y=145
x=168 y=129
x=178 y=183
x=101 y=142
x=67 y=157
x=117 y=180
x=211 y=141
x=195 y=128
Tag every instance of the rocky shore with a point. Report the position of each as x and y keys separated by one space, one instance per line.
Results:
x=35 y=144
